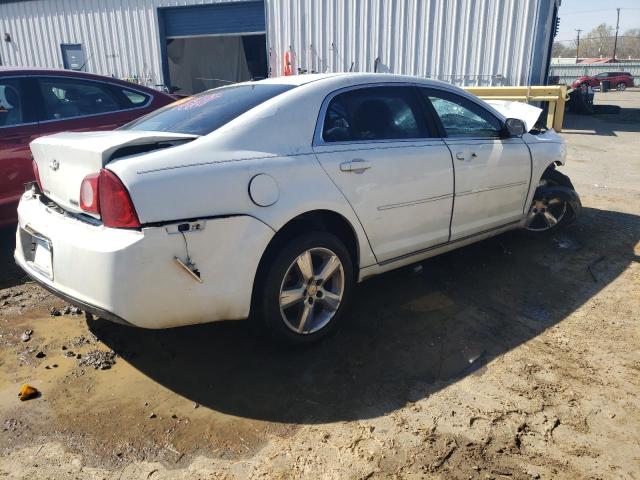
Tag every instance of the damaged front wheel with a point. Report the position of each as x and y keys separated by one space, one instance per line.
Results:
x=555 y=204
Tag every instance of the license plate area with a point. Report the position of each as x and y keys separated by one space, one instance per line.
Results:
x=38 y=252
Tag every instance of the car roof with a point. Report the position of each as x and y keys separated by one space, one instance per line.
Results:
x=33 y=70
x=351 y=78
x=13 y=70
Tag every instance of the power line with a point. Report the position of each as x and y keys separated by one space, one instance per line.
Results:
x=562 y=14
x=596 y=38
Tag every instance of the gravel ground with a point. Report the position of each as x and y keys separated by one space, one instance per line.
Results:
x=518 y=357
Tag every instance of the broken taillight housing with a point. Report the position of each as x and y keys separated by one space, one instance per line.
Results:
x=104 y=194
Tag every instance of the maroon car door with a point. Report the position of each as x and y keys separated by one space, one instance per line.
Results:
x=18 y=127
x=73 y=104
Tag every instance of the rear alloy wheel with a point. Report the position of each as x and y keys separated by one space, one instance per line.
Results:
x=311 y=291
x=307 y=288
x=621 y=86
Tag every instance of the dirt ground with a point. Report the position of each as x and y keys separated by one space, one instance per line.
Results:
x=518 y=357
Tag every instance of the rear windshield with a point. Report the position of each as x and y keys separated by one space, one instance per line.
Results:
x=207 y=111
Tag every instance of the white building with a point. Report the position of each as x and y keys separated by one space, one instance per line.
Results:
x=192 y=45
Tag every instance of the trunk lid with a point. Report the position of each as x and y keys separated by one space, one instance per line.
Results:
x=64 y=159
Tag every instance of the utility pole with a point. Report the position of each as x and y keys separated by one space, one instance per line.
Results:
x=615 y=42
x=578 y=44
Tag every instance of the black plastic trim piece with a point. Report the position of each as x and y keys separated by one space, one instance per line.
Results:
x=444 y=244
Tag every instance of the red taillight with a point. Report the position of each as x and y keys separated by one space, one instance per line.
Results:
x=116 y=207
x=105 y=195
x=36 y=173
x=89 y=198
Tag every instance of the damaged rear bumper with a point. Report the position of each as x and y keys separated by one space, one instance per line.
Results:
x=132 y=277
x=86 y=307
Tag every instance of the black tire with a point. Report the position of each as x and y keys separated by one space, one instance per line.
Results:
x=556 y=186
x=621 y=86
x=268 y=302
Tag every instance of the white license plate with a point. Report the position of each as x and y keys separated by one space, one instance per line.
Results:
x=42 y=258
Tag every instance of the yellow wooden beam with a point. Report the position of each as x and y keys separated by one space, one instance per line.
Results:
x=555 y=95
x=559 y=116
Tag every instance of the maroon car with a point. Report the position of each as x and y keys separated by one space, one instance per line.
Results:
x=617 y=80
x=36 y=102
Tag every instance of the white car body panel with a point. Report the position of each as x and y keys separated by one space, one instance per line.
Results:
x=492 y=180
x=529 y=114
x=133 y=274
x=399 y=213
x=402 y=205
x=64 y=159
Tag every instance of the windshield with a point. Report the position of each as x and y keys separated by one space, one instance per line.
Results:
x=203 y=113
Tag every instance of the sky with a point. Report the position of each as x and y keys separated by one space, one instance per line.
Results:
x=588 y=14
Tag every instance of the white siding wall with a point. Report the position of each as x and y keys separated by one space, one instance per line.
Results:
x=120 y=37
x=463 y=41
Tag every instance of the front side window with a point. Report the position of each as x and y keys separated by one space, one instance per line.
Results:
x=12 y=110
x=69 y=98
x=203 y=113
x=461 y=117
x=374 y=113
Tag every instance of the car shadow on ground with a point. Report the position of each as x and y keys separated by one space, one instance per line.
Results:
x=408 y=334
x=608 y=121
x=10 y=274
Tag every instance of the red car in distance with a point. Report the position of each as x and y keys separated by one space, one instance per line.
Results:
x=36 y=102
x=617 y=80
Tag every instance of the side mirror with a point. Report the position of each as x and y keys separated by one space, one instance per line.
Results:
x=515 y=127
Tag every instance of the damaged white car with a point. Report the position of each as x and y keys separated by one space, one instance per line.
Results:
x=273 y=198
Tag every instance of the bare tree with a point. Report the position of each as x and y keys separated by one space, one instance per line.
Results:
x=629 y=45
x=558 y=50
x=598 y=42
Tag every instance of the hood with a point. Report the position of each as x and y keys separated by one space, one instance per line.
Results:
x=64 y=159
x=522 y=111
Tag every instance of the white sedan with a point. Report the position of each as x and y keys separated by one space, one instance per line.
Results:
x=273 y=198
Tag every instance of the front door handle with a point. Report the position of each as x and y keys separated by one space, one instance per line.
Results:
x=461 y=156
x=357 y=165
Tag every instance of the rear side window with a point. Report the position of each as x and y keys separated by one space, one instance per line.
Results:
x=203 y=113
x=135 y=98
x=12 y=111
x=69 y=98
x=374 y=113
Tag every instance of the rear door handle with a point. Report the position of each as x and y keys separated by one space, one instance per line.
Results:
x=357 y=165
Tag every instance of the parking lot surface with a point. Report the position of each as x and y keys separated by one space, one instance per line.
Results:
x=517 y=357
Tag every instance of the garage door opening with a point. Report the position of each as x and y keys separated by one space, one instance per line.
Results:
x=200 y=63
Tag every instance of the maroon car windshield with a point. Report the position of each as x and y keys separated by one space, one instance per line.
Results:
x=205 y=112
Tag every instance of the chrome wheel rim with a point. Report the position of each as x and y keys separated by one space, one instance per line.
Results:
x=545 y=214
x=312 y=290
